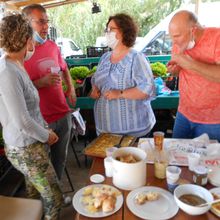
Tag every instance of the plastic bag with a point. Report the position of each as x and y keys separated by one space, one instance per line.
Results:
x=79 y=126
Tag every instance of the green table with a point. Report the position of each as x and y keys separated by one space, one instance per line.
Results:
x=161 y=102
x=91 y=61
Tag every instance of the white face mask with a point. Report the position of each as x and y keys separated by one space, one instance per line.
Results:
x=191 y=44
x=29 y=54
x=111 y=39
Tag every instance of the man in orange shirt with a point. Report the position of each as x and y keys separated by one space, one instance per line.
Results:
x=196 y=59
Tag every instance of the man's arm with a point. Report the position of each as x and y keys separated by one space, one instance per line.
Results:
x=70 y=93
x=207 y=70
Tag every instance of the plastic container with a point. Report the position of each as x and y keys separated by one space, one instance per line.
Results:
x=200 y=175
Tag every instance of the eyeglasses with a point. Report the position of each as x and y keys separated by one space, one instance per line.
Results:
x=41 y=22
x=108 y=30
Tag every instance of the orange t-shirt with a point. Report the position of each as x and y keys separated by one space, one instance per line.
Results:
x=199 y=97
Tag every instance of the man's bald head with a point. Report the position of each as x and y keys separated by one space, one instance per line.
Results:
x=184 y=17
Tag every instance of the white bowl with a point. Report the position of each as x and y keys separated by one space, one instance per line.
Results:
x=196 y=190
x=129 y=176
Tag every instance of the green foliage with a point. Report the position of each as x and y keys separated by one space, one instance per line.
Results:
x=159 y=69
x=80 y=72
x=93 y=70
x=76 y=21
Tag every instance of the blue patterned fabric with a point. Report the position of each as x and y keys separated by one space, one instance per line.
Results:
x=124 y=116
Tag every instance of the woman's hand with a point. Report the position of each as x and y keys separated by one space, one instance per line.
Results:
x=95 y=94
x=112 y=94
x=53 y=138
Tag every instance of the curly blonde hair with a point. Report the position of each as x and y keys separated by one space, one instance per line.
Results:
x=15 y=30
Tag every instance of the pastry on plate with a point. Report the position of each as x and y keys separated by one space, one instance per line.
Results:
x=140 y=198
x=152 y=196
x=87 y=191
x=108 y=204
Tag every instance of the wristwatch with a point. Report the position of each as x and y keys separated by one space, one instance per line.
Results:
x=121 y=94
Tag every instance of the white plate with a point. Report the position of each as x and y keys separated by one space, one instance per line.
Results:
x=216 y=191
x=163 y=208
x=80 y=207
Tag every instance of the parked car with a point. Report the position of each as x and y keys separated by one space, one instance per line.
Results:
x=157 y=40
x=68 y=47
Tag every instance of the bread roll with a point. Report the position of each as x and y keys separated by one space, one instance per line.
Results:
x=108 y=204
x=152 y=196
x=141 y=198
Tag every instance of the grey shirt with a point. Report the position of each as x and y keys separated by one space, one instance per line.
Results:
x=20 y=114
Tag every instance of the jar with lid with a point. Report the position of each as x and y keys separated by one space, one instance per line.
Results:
x=200 y=175
x=161 y=162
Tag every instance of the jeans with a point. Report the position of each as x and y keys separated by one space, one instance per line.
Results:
x=59 y=150
x=184 y=128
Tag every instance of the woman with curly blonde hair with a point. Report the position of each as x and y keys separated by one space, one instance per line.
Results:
x=24 y=130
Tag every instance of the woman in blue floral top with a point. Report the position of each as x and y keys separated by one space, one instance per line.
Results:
x=123 y=84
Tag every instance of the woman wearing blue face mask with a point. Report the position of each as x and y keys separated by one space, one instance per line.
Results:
x=24 y=131
x=123 y=83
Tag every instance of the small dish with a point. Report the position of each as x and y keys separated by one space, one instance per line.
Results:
x=97 y=178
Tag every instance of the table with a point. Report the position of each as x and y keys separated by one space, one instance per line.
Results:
x=92 y=61
x=124 y=213
x=161 y=102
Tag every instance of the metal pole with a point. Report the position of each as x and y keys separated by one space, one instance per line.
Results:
x=197 y=7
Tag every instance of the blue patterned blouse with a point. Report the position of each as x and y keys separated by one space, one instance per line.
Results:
x=124 y=116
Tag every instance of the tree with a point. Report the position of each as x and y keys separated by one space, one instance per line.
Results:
x=77 y=22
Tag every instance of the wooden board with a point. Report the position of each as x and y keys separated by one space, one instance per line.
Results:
x=98 y=146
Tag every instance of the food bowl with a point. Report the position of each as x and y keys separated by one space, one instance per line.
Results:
x=195 y=190
x=129 y=176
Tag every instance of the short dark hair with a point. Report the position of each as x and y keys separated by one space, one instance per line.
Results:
x=127 y=26
x=28 y=9
x=15 y=30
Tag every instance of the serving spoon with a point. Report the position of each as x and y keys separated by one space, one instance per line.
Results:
x=208 y=203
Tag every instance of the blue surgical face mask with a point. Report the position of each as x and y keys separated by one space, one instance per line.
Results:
x=38 y=38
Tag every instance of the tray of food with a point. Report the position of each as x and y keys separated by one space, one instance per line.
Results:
x=98 y=146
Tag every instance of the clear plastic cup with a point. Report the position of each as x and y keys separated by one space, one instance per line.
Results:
x=110 y=150
x=193 y=160
x=108 y=166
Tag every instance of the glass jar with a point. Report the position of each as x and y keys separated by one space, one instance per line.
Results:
x=200 y=175
x=160 y=163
